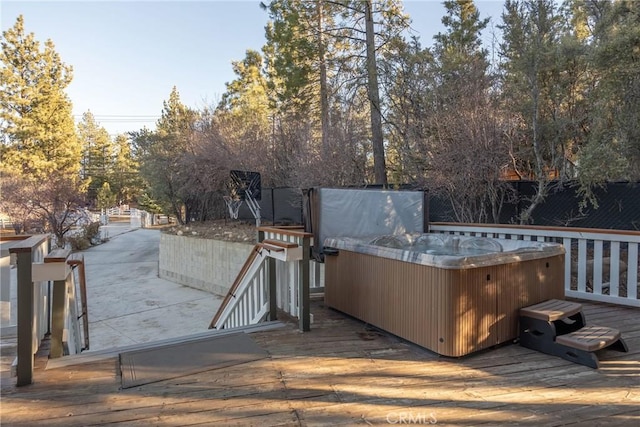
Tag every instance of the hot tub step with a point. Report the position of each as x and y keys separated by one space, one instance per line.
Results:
x=552 y=310
x=559 y=328
x=590 y=338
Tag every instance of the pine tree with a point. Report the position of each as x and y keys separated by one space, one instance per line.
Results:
x=125 y=179
x=535 y=93
x=161 y=156
x=97 y=153
x=40 y=150
x=38 y=130
x=613 y=149
x=246 y=116
x=297 y=61
x=467 y=147
x=367 y=26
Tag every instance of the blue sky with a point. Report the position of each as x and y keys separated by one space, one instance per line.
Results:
x=128 y=55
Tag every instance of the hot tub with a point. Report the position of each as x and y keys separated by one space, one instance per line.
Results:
x=453 y=295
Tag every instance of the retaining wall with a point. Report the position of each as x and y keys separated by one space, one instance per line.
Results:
x=205 y=264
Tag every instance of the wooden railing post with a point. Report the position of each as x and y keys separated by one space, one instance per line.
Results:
x=303 y=287
x=273 y=289
x=57 y=270
x=28 y=338
x=57 y=317
x=26 y=321
x=272 y=284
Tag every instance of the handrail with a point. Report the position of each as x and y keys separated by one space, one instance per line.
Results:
x=256 y=289
x=43 y=310
x=293 y=296
x=6 y=242
x=236 y=283
x=587 y=246
x=65 y=328
x=285 y=230
x=31 y=327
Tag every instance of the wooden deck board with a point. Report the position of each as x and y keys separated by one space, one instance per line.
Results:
x=343 y=372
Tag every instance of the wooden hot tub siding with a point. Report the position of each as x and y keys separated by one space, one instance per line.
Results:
x=452 y=312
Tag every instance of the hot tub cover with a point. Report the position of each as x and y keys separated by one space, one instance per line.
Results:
x=388 y=247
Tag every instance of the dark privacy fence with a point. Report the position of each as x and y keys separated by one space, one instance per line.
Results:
x=619 y=207
x=277 y=205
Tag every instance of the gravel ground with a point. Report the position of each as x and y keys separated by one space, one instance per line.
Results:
x=228 y=230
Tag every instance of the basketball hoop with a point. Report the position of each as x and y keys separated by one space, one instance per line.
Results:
x=233 y=205
x=246 y=186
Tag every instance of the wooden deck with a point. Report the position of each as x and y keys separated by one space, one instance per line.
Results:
x=344 y=373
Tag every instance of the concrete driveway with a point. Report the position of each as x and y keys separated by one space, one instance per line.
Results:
x=128 y=303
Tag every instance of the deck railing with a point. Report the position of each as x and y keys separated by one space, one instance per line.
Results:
x=294 y=277
x=43 y=309
x=247 y=302
x=600 y=265
x=33 y=303
x=276 y=275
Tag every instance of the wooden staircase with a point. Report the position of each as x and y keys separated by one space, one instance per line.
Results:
x=559 y=328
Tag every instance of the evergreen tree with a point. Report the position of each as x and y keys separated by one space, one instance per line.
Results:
x=467 y=150
x=408 y=72
x=613 y=149
x=124 y=178
x=366 y=28
x=297 y=61
x=40 y=152
x=38 y=130
x=97 y=154
x=105 y=198
x=246 y=116
x=536 y=95
x=161 y=152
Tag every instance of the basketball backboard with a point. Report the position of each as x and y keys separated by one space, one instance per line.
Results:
x=245 y=184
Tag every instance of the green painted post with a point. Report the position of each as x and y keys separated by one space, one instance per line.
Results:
x=25 y=318
x=273 y=301
x=303 y=287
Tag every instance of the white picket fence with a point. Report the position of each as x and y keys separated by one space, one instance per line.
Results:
x=595 y=260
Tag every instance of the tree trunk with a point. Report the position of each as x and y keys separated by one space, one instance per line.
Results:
x=379 y=167
x=324 y=93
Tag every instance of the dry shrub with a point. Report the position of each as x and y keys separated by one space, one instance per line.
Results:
x=88 y=236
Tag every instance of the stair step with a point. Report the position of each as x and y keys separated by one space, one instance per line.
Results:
x=551 y=310
x=590 y=338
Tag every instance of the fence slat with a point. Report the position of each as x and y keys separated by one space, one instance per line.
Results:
x=566 y=242
x=582 y=265
x=632 y=271
x=614 y=270
x=597 y=267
